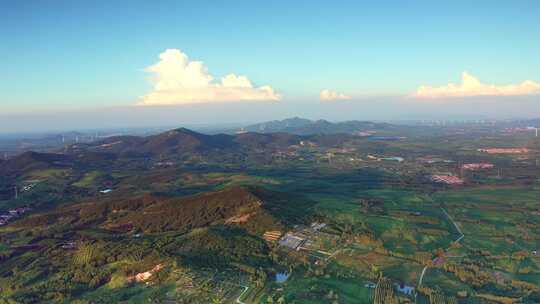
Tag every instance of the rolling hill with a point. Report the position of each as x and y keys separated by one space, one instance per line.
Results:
x=30 y=161
x=254 y=209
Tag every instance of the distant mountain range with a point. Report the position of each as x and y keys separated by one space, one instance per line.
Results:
x=184 y=141
x=266 y=138
x=301 y=126
x=173 y=143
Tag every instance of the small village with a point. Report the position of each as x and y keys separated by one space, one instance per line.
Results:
x=318 y=244
x=13 y=214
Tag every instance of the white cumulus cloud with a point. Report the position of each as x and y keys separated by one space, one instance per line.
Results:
x=471 y=86
x=177 y=80
x=328 y=95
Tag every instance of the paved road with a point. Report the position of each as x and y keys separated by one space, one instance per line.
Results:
x=454 y=242
x=455 y=225
x=422 y=275
x=246 y=288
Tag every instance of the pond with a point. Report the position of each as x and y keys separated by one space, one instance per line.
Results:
x=282 y=277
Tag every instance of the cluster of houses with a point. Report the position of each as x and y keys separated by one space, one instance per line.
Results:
x=518 y=130
x=68 y=245
x=164 y=164
x=272 y=236
x=294 y=240
x=108 y=145
x=364 y=133
x=402 y=288
x=447 y=179
x=504 y=150
x=317 y=226
x=390 y=158
x=307 y=143
x=13 y=214
x=432 y=160
x=28 y=187
x=145 y=276
x=388 y=138
x=405 y=289
x=477 y=166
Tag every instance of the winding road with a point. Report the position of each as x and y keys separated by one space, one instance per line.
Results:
x=454 y=242
x=246 y=288
x=455 y=225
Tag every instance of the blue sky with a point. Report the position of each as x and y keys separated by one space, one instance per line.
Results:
x=76 y=55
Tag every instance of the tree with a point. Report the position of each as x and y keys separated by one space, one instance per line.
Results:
x=384 y=292
x=85 y=254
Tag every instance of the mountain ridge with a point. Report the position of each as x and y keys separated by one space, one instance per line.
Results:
x=302 y=126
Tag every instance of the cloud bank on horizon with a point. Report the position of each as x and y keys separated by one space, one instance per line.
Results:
x=328 y=95
x=471 y=86
x=177 y=80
